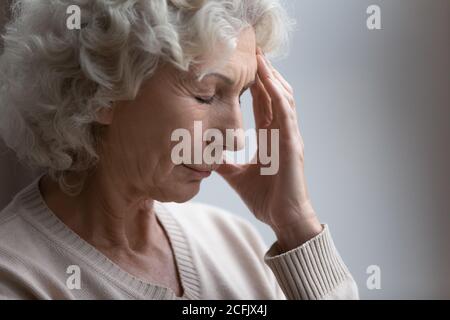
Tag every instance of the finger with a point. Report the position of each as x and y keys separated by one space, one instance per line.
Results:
x=279 y=77
x=228 y=170
x=262 y=104
x=262 y=108
x=259 y=51
x=283 y=81
x=289 y=92
x=281 y=109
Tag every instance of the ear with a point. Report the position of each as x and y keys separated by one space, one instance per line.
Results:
x=105 y=115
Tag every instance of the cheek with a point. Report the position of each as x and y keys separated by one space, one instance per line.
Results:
x=157 y=144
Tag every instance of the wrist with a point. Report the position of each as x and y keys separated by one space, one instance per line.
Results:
x=297 y=233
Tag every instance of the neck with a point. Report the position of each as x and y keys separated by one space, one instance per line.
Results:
x=108 y=213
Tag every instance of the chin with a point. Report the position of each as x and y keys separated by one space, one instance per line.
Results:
x=182 y=192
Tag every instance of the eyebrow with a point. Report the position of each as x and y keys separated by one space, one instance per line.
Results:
x=229 y=81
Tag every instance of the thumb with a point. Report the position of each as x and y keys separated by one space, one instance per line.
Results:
x=228 y=169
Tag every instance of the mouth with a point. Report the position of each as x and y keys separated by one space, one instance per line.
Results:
x=200 y=172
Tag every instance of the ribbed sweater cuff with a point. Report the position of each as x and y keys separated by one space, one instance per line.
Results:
x=310 y=271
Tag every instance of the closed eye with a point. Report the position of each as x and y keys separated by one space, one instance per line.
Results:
x=210 y=100
x=205 y=100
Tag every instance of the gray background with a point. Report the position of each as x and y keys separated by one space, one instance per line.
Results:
x=374 y=111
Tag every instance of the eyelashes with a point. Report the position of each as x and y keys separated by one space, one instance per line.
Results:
x=211 y=100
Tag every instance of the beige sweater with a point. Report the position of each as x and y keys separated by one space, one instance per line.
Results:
x=219 y=256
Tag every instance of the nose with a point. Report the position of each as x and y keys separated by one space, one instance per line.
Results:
x=230 y=124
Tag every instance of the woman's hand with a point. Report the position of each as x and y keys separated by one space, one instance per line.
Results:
x=279 y=200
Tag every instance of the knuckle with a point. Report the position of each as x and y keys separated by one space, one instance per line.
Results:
x=291 y=101
x=290 y=89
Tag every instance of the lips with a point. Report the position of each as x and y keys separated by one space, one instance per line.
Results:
x=201 y=168
x=200 y=171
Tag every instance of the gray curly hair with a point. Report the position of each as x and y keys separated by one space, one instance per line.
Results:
x=54 y=80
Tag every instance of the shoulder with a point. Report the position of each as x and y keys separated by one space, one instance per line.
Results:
x=18 y=245
x=27 y=259
x=13 y=228
x=20 y=240
x=9 y=213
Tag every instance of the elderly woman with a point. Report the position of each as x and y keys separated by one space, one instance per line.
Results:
x=95 y=108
